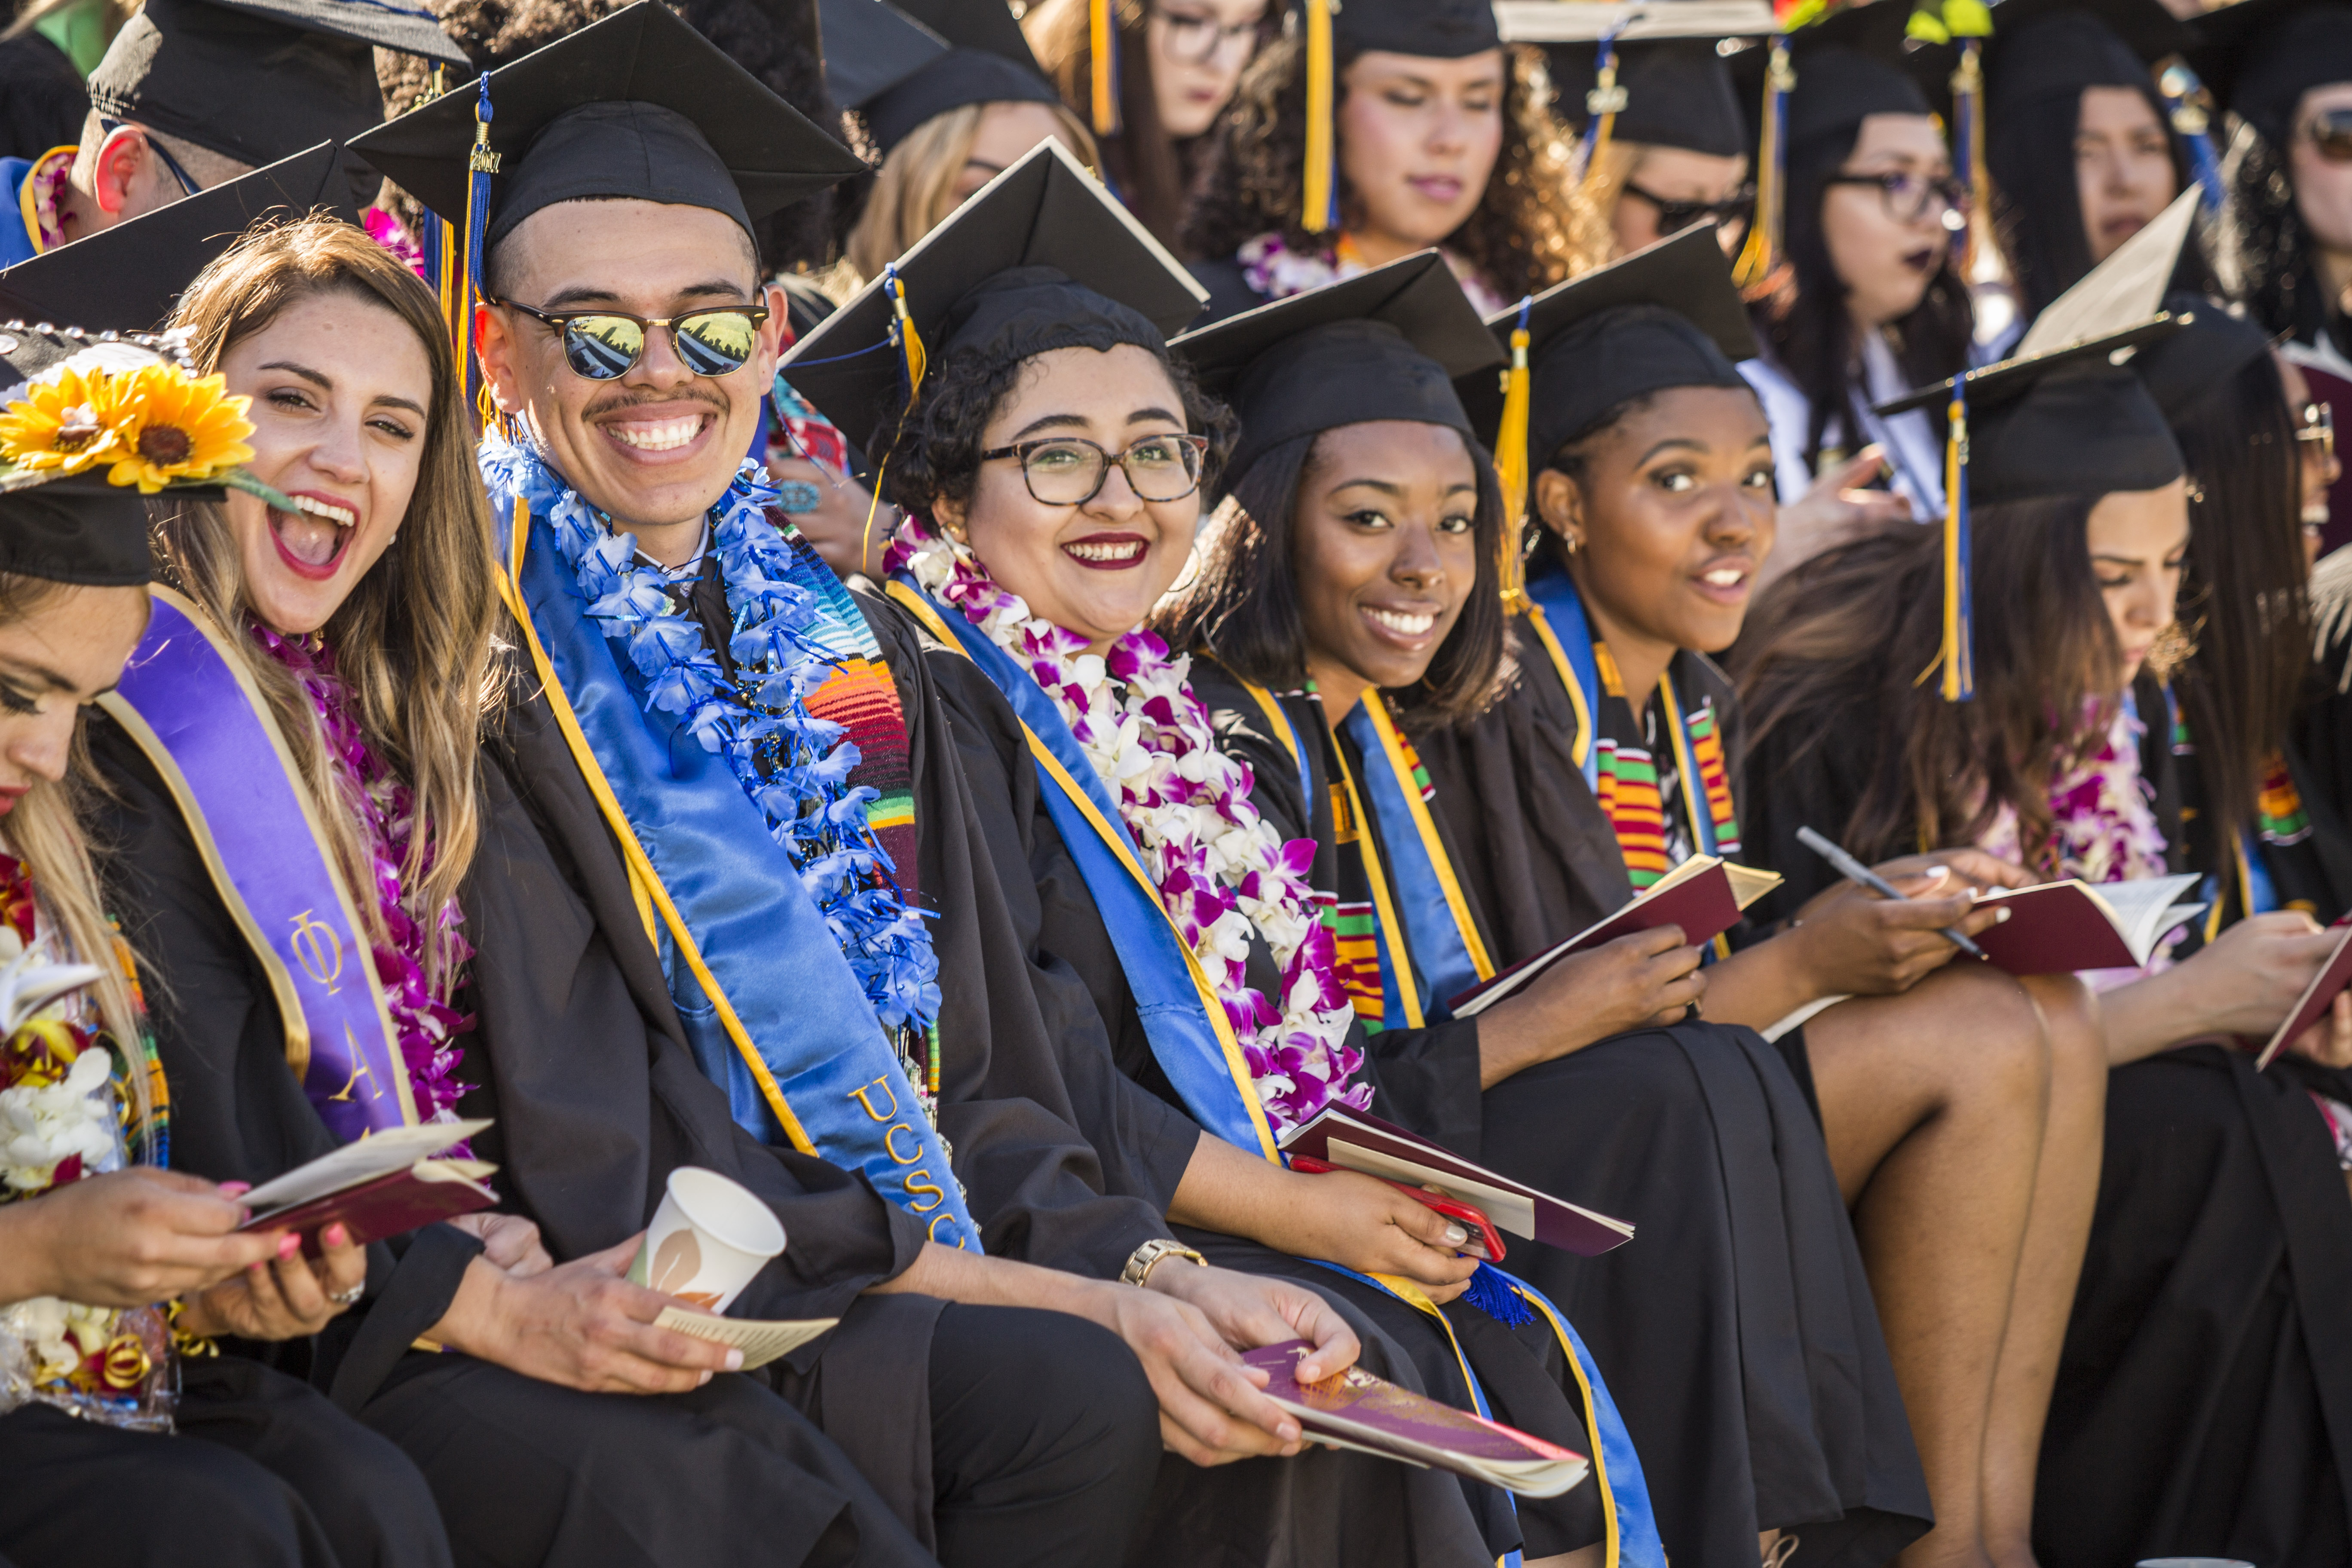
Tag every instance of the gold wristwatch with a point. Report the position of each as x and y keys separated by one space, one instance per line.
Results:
x=1150 y=1256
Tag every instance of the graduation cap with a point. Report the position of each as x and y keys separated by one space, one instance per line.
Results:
x=637 y=104
x=2058 y=417
x=2201 y=358
x=129 y=278
x=2046 y=47
x=1652 y=74
x=70 y=506
x=259 y=81
x=1431 y=29
x=899 y=74
x=2260 y=56
x=1041 y=257
x=1385 y=344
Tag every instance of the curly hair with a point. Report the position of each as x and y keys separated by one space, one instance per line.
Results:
x=1528 y=231
x=2264 y=257
x=935 y=454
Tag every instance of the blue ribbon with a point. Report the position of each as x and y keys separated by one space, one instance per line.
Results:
x=1175 y=1018
x=1431 y=934
x=760 y=934
x=1555 y=591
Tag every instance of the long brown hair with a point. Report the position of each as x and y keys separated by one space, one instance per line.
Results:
x=914 y=191
x=1839 y=642
x=412 y=644
x=1528 y=231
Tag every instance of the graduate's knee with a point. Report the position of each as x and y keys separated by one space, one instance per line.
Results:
x=2076 y=1033
x=1993 y=1050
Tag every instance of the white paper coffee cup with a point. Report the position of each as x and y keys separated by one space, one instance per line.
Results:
x=708 y=1240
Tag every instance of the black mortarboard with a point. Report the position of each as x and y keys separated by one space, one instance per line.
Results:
x=1679 y=93
x=1435 y=29
x=1852 y=64
x=2045 y=47
x=1668 y=315
x=128 y=278
x=2081 y=428
x=258 y=82
x=986 y=25
x=2202 y=358
x=933 y=59
x=870 y=46
x=77 y=528
x=1385 y=344
x=637 y=104
x=1042 y=258
x=2260 y=56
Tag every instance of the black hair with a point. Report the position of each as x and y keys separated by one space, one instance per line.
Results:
x=935 y=454
x=2266 y=246
x=1244 y=601
x=1806 y=323
x=2243 y=596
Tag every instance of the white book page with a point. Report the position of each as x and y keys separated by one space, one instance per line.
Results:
x=2145 y=908
x=761 y=1341
x=1510 y=1211
x=378 y=1154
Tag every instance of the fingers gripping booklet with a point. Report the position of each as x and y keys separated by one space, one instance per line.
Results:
x=386 y=1184
x=2057 y=928
x=1356 y=1410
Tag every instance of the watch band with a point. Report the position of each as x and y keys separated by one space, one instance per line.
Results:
x=1150 y=1256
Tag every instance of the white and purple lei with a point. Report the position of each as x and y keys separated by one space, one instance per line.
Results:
x=795 y=767
x=1221 y=870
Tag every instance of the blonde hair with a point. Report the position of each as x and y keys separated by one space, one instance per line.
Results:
x=412 y=643
x=1605 y=188
x=915 y=189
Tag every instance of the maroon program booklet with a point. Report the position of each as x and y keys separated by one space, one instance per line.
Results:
x=2318 y=996
x=1357 y=1410
x=1358 y=1141
x=384 y=1184
x=2056 y=928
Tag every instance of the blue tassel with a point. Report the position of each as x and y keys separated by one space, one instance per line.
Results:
x=1490 y=1291
x=482 y=163
x=2191 y=107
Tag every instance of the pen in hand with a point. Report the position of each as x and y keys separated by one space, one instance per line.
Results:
x=1854 y=870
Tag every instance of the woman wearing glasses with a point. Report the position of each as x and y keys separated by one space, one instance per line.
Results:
x=2285 y=71
x=1179 y=63
x=1440 y=135
x=1677 y=149
x=1870 y=303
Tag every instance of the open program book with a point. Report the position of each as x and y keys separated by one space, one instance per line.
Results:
x=2318 y=996
x=386 y=1184
x=1357 y=1410
x=1703 y=895
x=2055 y=928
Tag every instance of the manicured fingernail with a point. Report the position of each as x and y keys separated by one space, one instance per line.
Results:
x=703 y=1379
x=236 y=1189
x=2002 y=917
x=1455 y=1235
x=336 y=1236
x=734 y=1360
x=1288 y=1431
x=289 y=1245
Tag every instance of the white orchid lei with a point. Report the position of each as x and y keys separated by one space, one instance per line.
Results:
x=1221 y=872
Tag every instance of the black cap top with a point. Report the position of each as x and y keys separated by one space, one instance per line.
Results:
x=128 y=278
x=2078 y=428
x=1853 y=63
x=955 y=79
x=1386 y=345
x=1666 y=316
x=1042 y=258
x=870 y=46
x=76 y=529
x=900 y=68
x=2041 y=48
x=2201 y=359
x=636 y=105
x=1679 y=93
x=1434 y=30
x=985 y=24
x=2260 y=56
x=256 y=83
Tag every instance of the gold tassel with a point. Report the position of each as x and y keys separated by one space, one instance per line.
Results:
x=1321 y=184
x=1102 y=41
x=1601 y=105
x=910 y=341
x=1511 y=463
x=1960 y=677
x=1761 y=254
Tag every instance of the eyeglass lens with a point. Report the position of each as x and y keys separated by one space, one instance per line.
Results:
x=2331 y=133
x=711 y=342
x=1195 y=37
x=1070 y=472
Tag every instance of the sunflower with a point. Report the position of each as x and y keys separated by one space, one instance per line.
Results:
x=174 y=426
x=67 y=424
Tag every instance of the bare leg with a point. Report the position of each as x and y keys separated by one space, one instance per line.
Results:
x=2065 y=1191
x=1934 y=1103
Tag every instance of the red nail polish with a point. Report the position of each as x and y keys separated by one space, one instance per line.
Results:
x=289 y=1245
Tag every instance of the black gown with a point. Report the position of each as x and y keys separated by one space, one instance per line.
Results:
x=1132 y=1113
x=2203 y=1404
x=579 y=1054
x=1736 y=1331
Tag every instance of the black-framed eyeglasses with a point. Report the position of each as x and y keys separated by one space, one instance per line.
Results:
x=2317 y=426
x=1069 y=471
x=188 y=186
x=603 y=346
x=1908 y=197
x=1196 y=37
x=2330 y=130
x=1673 y=216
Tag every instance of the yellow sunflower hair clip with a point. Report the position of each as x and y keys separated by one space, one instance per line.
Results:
x=128 y=405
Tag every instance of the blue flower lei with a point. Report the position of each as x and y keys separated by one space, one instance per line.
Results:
x=793 y=765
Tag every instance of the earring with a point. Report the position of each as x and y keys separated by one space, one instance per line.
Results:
x=952 y=532
x=1568 y=543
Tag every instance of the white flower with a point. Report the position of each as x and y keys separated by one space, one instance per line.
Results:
x=42 y=1126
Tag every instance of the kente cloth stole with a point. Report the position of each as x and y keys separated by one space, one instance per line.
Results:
x=196 y=712
x=1192 y=1038
x=730 y=897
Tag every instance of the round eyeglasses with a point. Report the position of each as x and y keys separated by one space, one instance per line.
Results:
x=1194 y=38
x=1069 y=471
x=604 y=345
x=1908 y=197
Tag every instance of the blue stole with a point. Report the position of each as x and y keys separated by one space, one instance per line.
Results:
x=15 y=231
x=730 y=901
x=196 y=712
x=1182 y=1017
x=1446 y=950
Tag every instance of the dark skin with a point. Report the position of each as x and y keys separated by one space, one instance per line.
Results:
x=1961 y=1108
x=1386 y=556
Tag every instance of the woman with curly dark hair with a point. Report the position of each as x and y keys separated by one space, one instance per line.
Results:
x=1441 y=135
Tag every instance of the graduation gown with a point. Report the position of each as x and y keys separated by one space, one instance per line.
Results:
x=1737 y=1329
x=2203 y=1404
x=1371 y=1513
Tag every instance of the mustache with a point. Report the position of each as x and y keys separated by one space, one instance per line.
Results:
x=692 y=392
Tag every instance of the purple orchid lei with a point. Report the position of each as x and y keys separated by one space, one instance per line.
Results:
x=427 y=1026
x=1223 y=874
